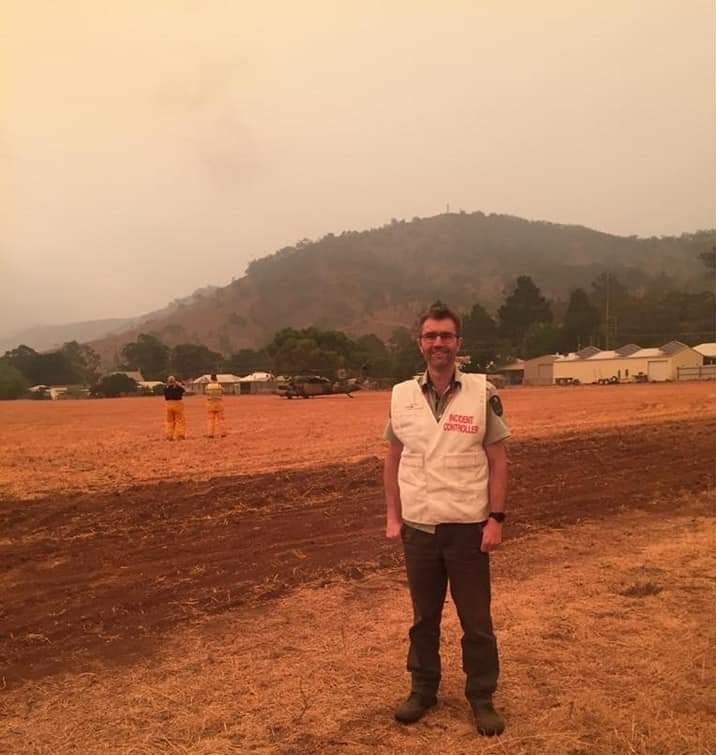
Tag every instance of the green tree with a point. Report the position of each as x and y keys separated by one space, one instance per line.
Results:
x=709 y=260
x=12 y=382
x=84 y=360
x=149 y=355
x=542 y=338
x=311 y=350
x=613 y=302
x=23 y=359
x=401 y=339
x=523 y=307
x=405 y=354
x=246 y=361
x=479 y=338
x=298 y=355
x=652 y=320
x=50 y=368
x=581 y=321
x=372 y=357
x=190 y=360
x=111 y=386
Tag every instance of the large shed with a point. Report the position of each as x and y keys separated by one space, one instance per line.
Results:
x=539 y=370
x=707 y=351
x=225 y=379
x=629 y=363
x=512 y=373
x=707 y=371
x=256 y=382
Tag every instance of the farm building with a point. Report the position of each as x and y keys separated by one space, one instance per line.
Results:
x=226 y=380
x=628 y=363
x=59 y=392
x=707 y=351
x=707 y=371
x=512 y=373
x=256 y=382
x=150 y=385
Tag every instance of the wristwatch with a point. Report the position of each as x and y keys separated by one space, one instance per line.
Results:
x=498 y=516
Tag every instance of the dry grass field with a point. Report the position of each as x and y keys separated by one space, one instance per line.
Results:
x=96 y=445
x=237 y=595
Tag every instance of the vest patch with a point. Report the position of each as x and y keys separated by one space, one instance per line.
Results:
x=496 y=405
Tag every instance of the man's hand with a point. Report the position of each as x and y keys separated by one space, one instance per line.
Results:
x=393 y=518
x=392 y=528
x=491 y=536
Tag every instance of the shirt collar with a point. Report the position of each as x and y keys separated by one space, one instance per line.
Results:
x=424 y=380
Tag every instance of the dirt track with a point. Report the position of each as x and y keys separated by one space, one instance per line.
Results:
x=101 y=578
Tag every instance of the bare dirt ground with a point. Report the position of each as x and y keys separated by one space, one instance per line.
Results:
x=264 y=612
x=605 y=631
x=95 y=445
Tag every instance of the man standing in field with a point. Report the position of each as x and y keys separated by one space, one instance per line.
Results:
x=445 y=485
x=215 y=408
x=174 y=419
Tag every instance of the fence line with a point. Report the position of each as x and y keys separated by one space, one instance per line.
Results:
x=705 y=372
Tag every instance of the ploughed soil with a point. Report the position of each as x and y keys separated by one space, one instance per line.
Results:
x=90 y=579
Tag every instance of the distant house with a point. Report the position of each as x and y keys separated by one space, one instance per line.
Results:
x=256 y=382
x=226 y=380
x=539 y=370
x=626 y=364
x=707 y=371
x=513 y=373
x=707 y=351
x=59 y=392
x=149 y=385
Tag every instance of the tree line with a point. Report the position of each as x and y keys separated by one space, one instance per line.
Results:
x=527 y=324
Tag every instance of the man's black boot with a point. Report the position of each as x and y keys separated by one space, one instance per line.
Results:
x=489 y=722
x=414 y=708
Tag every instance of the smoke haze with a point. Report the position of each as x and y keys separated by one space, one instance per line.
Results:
x=149 y=149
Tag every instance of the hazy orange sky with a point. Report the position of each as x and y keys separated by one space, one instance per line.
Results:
x=151 y=148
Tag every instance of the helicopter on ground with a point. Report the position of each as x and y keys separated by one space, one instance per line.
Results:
x=310 y=386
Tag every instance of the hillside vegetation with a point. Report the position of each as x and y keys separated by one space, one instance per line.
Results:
x=374 y=281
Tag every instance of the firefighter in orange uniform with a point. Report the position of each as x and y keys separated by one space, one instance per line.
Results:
x=215 y=407
x=174 y=423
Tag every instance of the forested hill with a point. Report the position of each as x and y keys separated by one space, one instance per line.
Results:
x=374 y=281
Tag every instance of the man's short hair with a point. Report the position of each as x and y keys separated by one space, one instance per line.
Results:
x=213 y=377
x=439 y=311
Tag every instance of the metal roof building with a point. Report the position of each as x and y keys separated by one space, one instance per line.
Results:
x=629 y=363
x=707 y=351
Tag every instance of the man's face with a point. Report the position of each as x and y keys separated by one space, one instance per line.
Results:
x=438 y=343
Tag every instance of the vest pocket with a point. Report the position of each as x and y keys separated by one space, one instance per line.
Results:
x=467 y=460
x=461 y=471
x=409 y=459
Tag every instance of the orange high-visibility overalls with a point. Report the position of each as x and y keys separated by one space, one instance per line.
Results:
x=174 y=422
x=215 y=407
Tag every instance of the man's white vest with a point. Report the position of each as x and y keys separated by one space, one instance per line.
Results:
x=443 y=471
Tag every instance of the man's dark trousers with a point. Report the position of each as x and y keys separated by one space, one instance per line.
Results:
x=451 y=555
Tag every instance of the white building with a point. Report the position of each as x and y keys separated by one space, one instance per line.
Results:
x=628 y=363
x=226 y=380
x=256 y=382
x=707 y=351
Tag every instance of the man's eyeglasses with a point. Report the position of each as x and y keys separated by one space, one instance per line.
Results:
x=432 y=336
